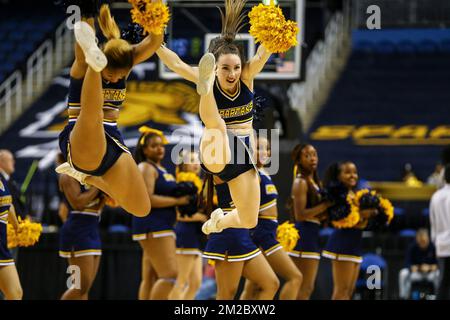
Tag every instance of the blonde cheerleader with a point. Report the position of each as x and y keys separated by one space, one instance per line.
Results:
x=91 y=143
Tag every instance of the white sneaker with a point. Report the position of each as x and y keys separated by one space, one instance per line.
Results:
x=210 y=226
x=65 y=168
x=206 y=73
x=85 y=36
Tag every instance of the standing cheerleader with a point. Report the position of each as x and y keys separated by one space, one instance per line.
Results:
x=189 y=237
x=225 y=83
x=155 y=232
x=91 y=142
x=264 y=235
x=308 y=212
x=236 y=255
x=9 y=278
x=344 y=244
x=79 y=236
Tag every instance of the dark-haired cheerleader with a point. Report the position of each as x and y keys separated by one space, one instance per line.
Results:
x=155 y=232
x=308 y=210
x=344 y=244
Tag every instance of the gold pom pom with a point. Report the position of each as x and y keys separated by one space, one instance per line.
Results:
x=190 y=177
x=287 y=235
x=26 y=235
x=152 y=16
x=388 y=209
x=268 y=26
x=352 y=219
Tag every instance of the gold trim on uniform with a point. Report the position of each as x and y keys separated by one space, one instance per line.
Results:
x=341 y=257
x=80 y=253
x=268 y=205
x=273 y=249
x=5 y=200
x=231 y=97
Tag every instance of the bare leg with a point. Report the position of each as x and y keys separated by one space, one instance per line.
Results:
x=87 y=139
x=259 y=272
x=283 y=266
x=228 y=275
x=245 y=193
x=355 y=279
x=195 y=279
x=146 y=273
x=10 y=283
x=250 y=291
x=182 y=282
x=343 y=276
x=308 y=268
x=161 y=253
x=88 y=270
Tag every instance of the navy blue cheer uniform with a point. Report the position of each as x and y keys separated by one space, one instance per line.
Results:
x=189 y=237
x=264 y=235
x=113 y=96
x=80 y=234
x=232 y=244
x=307 y=246
x=160 y=222
x=235 y=109
x=344 y=245
x=5 y=205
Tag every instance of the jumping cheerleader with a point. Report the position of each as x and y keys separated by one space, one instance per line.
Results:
x=264 y=235
x=189 y=240
x=91 y=142
x=308 y=212
x=225 y=83
x=9 y=278
x=155 y=232
x=235 y=255
x=79 y=236
x=344 y=245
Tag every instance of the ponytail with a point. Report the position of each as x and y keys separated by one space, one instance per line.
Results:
x=107 y=24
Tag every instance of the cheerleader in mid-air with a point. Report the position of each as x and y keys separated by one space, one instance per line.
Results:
x=155 y=232
x=264 y=235
x=9 y=278
x=79 y=236
x=344 y=246
x=225 y=83
x=189 y=235
x=91 y=142
x=308 y=211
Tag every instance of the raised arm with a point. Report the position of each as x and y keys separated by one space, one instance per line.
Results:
x=72 y=190
x=256 y=63
x=174 y=63
x=147 y=47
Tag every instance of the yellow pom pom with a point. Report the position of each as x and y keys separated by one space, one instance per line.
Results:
x=352 y=219
x=268 y=26
x=26 y=235
x=152 y=16
x=190 y=177
x=287 y=235
x=388 y=209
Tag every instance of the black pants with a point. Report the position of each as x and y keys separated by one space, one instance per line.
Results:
x=444 y=286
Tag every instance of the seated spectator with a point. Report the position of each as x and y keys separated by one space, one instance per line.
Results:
x=437 y=177
x=421 y=265
x=410 y=178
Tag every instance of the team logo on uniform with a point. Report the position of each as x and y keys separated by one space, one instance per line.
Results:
x=271 y=189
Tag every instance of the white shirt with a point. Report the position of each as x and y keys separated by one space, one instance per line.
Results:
x=440 y=221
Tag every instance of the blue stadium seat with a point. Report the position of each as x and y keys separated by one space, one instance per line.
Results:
x=426 y=212
x=407 y=233
x=444 y=46
x=399 y=211
x=370 y=259
x=118 y=228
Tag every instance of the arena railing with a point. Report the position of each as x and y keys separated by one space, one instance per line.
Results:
x=19 y=90
x=323 y=66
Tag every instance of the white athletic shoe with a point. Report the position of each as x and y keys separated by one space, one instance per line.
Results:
x=206 y=73
x=210 y=226
x=85 y=36
x=65 y=168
